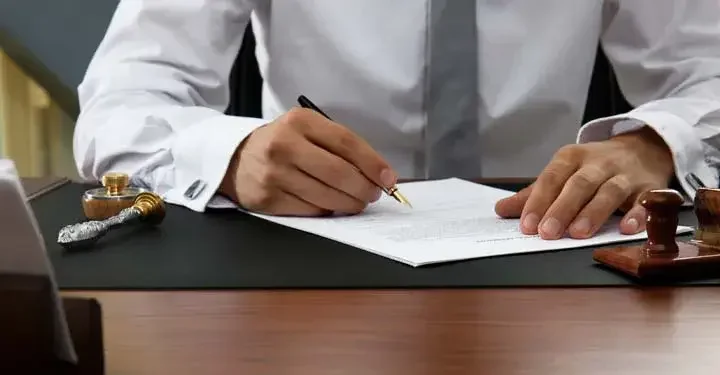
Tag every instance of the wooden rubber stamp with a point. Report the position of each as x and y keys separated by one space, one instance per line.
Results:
x=107 y=201
x=663 y=255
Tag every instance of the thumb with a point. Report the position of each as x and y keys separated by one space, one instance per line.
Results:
x=634 y=220
x=512 y=206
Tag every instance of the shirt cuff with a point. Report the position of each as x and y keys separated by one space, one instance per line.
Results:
x=202 y=154
x=686 y=148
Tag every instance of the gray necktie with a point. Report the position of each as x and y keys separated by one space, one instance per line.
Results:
x=451 y=135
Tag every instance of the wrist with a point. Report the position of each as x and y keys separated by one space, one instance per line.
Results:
x=650 y=147
x=228 y=185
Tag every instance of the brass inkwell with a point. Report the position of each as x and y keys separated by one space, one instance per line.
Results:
x=107 y=201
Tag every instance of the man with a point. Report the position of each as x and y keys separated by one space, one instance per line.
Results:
x=416 y=89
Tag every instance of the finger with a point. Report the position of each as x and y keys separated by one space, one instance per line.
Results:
x=511 y=207
x=577 y=192
x=546 y=188
x=270 y=200
x=286 y=204
x=609 y=197
x=634 y=220
x=317 y=193
x=342 y=142
x=336 y=173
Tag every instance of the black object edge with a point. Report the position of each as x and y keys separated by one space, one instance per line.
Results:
x=26 y=323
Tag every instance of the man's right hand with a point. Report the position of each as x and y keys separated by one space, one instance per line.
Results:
x=303 y=164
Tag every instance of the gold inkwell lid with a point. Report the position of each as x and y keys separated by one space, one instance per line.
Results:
x=115 y=195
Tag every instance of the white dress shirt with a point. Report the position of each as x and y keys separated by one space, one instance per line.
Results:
x=153 y=99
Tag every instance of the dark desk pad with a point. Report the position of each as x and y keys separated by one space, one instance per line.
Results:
x=233 y=250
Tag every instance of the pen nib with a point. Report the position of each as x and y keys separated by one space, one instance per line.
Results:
x=399 y=197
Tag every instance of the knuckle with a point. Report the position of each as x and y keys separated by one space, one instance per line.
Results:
x=277 y=148
x=581 y=181
x=554 y=175
x=296 y=116
x=620 y=186
x=267 y=177
x=570 y=152
x=609 y=164
x=604 y=202
x=612 y=194
x=588 y=177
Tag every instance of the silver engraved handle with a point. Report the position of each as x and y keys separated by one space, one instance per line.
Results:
x=148 y=207
x=89 y=232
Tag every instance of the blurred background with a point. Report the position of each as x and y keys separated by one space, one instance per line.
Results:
x=45 y=47
x=34 y=131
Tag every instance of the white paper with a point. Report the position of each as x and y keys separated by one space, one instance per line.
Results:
x=22 y=249
x=451 y=219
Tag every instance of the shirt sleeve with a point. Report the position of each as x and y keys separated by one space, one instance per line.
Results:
x=666 y=56
x=153 y=98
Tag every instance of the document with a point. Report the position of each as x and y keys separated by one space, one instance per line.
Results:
x=451 y=219
x=22 y=250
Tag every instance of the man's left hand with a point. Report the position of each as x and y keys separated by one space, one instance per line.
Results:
x=584 y=184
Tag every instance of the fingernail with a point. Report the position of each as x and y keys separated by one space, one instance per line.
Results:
x=551 y=227
x=530 y=222
x=387 y=177
x=581 y=226
x=632 y=224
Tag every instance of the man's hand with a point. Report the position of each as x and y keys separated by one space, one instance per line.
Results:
x=584 y=184
x=303 y=164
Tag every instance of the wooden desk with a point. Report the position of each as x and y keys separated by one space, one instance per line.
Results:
x=522 y=331
x=486 y=331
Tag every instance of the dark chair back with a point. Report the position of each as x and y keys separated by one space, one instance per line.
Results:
x=245 y=80
x=604 y=95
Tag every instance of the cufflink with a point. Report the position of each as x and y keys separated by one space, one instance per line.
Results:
x=195 y=189
x=694 y=181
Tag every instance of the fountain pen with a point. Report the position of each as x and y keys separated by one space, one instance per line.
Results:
x=393 y=191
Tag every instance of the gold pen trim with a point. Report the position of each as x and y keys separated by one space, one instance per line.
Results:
x=395 y=193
